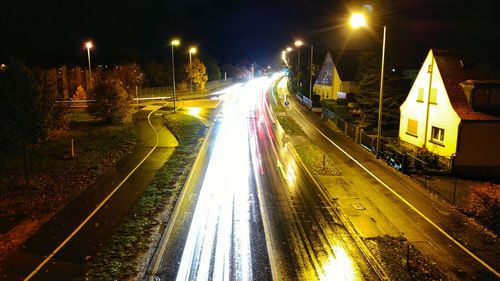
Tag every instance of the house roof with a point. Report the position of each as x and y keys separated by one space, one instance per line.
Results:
x=457 y=67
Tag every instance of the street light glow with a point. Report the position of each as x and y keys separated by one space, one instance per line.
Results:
x=289 y=49
x=357 y=20
x=298 y=43
x=193 y=50
x=89 y=45
x=175 y=42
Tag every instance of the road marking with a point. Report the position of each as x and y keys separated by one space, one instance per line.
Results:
x=58 y=248
x=487 y=266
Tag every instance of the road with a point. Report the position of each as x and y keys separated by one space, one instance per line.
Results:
x=250 y=211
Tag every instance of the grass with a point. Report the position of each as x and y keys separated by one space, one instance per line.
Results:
x=54 y=177
x=118 y=259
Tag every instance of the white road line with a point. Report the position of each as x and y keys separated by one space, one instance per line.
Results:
x=487 y=266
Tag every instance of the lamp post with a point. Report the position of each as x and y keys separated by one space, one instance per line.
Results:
x=89 y=45
x=298 y=43
x=192 y=50
x=174 y=42
x=359 y=20
x=311 y=73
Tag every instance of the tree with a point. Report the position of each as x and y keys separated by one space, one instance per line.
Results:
x=395 y=90
x=111 y=101
x=198 y=74
x=213 y=70
x=28 y=110
x=113 y=92
x=232 y=70
x=155 y=73
x=27 y=107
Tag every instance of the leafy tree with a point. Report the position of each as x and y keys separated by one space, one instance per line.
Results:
x=395 y=90
x=232 y=70
x=213 y=70
x=111 y=101
x=155 y=73
x=199 y=74
x=28 y=110
x=130 y=76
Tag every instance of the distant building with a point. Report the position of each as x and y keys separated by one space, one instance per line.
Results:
x=337 y=75
x=453 y=111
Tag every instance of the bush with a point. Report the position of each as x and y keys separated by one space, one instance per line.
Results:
x=483 y=203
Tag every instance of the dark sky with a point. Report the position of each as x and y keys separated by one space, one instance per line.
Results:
x=51 y=32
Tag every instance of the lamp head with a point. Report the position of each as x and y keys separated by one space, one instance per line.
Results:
x=357 y=20
x=193 y=50
x=175 y=42
x=298 y=43
x=89 y=45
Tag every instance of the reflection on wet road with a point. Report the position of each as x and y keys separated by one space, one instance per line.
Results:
x=254 y=190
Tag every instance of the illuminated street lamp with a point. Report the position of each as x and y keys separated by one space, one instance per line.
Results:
x=359 y=20
x=192 y=50
x=89 y=46
x=298 y=43
x=174 y=42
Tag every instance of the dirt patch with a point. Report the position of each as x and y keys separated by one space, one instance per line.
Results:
x=402 y=261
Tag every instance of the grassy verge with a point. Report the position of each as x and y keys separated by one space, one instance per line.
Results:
x=54 y=177
x=118 y=259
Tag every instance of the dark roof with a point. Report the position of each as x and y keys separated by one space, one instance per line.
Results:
x=456 y=67
x=346 y=62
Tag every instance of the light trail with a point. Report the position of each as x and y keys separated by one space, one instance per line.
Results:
x=218 y=241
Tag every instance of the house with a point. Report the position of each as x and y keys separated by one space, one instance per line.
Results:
x=337 y=75
x=453 y=111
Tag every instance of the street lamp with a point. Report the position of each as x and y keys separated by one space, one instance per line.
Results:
x=298 y=43
x=174 y=42
x=359 y=20
x=192 y=50
x=89 y=45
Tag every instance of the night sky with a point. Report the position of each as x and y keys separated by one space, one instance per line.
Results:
x=51 y=32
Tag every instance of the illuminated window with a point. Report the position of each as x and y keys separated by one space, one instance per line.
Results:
x=432 y=98
x=412 y=127
x=420 y=97
x=437 y=134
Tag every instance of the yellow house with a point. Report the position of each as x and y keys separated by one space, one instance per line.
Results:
x=452 y=110
x=337 y=75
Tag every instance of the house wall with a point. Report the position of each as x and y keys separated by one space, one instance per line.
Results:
x=478 y=152
x=441 y=113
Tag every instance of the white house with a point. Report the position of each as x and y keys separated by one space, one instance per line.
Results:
x=453 y=110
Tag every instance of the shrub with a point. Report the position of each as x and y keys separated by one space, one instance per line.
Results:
x=483 y=203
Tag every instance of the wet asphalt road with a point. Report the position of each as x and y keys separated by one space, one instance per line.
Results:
x=253 y=212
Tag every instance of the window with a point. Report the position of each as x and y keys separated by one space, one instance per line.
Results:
x=412 y=127
x=437 y=134
x=433 y=97
x=420 y=97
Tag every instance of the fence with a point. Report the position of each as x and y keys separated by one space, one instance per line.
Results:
x=451 y=189
x=157 y=92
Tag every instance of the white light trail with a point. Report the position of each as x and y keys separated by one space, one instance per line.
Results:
x=221 y=218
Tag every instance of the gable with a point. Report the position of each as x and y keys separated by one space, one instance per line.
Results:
x=325 y=76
